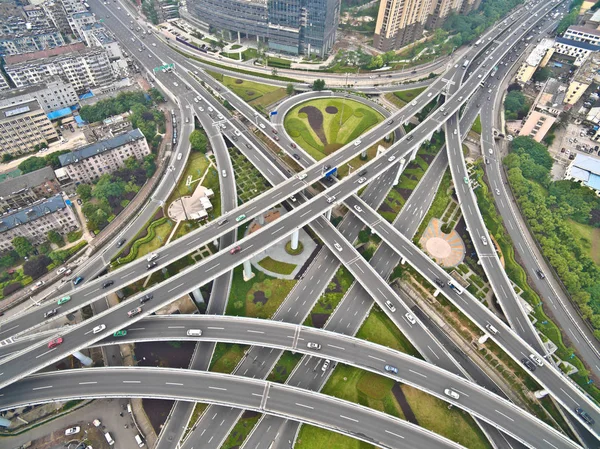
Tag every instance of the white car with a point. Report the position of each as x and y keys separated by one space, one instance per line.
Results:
x=61 y=270
x=410 y=318
x=195 y=100
x=175 y=84
x=302 y=175
x=414 y=103
x=154 y=44
x=451 y=393
x=99 y=328
x=390 y=306
x=260 y=124
x=484 y=240
x=72 y=430
x=391 y=158
x=361 y=180
x=201 y=109
x=338 y=246
x=357 y=208
x=312 y=345
x=357 y=143
x=498 y=192
x=210 y=109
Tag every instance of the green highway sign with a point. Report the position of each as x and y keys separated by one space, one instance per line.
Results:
x=163 y=67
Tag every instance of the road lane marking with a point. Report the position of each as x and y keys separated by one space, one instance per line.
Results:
x=132 y=381
x=305 y=406
x=336 y=347
x=376 y=358
x=217 y=388
x=348 y=418
x=212 y=268
x=41 y=388
x=174 y=383
x=506 y=416
x=89 y=293
x=128 y=274
x=254 y=332
x=277 y=230
x=418 y=374
x=216 y=328
x=175 y=288
x=47 y=352
x=394 y=434
x=550 y=443
x=8 y=330
x=87 y=383
x=176 y=327
x=136 y=328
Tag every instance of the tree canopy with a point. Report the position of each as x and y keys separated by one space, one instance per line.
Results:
x=22 y=246
x=318 y=84
x=515 y=105
x=198 y=141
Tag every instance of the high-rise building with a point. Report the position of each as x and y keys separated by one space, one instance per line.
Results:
x=288 y=26
x=400 y=22
x=52 y=95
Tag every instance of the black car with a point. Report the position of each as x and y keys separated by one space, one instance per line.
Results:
x=585 y=416
x=362 y=173
x=107 y=284
x=146 y=298
x=439 y=282
x=50 y=313
x=79 y=201
x=296 y=156
x=121 y=242
x=528 y=364
x=540 y=273
x=326 y=167
x=151 y=265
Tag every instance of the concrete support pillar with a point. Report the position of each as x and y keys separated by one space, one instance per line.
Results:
x=84 y=359
x=248 y=274
x=402 y=260
x=295 y=236
x=257 y=40
x=197 y=296
x=413 y=155
x=328 y=214
x=239 y=38
x=437 y=292
x=364 y=154
x=261 y=219
x=401 y=166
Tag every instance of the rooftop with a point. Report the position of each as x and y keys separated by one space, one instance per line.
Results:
x=580 y=29
x=587 y=170
x=15 y=59
x=538 y=53
x=9 y=112
x=99 y=147
x=577 y=44
x=33 y=212
x=12 y=185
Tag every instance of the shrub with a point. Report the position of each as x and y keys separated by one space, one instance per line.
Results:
x=11 y=288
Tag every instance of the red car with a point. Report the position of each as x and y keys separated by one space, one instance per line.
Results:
x=293 y=145
x=274 y=131
x=235 y=250
x=56 y=342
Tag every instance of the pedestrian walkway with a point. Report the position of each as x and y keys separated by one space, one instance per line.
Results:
x=446 y=249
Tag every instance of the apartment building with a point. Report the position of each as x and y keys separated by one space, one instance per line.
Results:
x=539 y=57
x=582 y=80
x=3 y=83
x=289 y=26
x=79 y=21
x=547 y=107
x=73 y=6
x=583 y=34
x=83 y=69
x=56 y=13
x=95 y=35
x=88 y=163
x=27 y=42
x=34 y=222
x=575 y=49
x=400 y=22
x=21 y=191
x=53 y=95
x=23 y=126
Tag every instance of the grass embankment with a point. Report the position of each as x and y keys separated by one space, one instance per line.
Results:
x=401 y=98
x=276 y=266
x=256 y=94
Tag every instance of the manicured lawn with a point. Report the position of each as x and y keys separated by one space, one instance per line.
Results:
x=241 y=430
x=226 y=357
x=162 y=234
x=311 y=437
x=284 y=367
x=276 y=266
x=333 y=122
x=248 y=180
x=476 y=128
x=258 y=298
x=589 y=238
x=438 y=206
x=211 y=181
x=196 y=166
x=378 y=328
x=409 y=95
x=332 y=296
x=249 y=90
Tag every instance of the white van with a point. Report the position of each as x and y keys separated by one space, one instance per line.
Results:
x=139 y=441
x=128 y=408
x=152 y=257
x=109 y=439
x=194 y=333
x=491 y=328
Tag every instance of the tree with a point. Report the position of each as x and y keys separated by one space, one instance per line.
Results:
x=156 y=95
x=149 y=166
x=52 y=159
x=8 y=259
x=515 y=105
x=55 y=237
x=198 y=141
x=37 y=266
x=32 y=164
x=318 y=84
x=84 y=191
x=542 y=74
x=289 y=89
x=227 y=104
x=22 y=246
x=106 y=188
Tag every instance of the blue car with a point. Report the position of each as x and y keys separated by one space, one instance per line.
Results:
x=78 y=280
x=391 y=369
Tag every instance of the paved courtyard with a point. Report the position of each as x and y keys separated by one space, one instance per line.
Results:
x=446 y=249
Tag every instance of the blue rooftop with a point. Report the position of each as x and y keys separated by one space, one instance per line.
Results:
x=31 y=213
x=587 y=170
x=99 y=147
x=578 y=44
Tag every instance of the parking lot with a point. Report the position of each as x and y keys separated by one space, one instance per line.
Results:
x=568 y=143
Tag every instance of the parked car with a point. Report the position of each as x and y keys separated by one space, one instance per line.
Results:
x=72 y=430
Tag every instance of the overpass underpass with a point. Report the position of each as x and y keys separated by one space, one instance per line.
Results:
x=417 y=373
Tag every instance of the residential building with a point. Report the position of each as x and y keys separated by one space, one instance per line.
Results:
x=539 y=57
x=545 y=110
x=440 y=9
x=23 y=126
x=96 y=35
x=34 y=222
x=583 y=34
x=111 y=127
x=582 y=79
x=289 y=26
x=400 y=22
x=575 y=49
x=26 y=189
x=56 y=13
x=85 y=68
x=73 y=6
x=27 y=42
x=585 y=170
x=80 y=20
x=88 y=163
x=53 y=95
x=3 y=83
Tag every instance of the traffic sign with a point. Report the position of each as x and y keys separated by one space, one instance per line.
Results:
x=163 y=67
x=331 y=172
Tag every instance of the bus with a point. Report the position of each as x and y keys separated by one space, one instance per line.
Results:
x=457 y=288
x=465 y=64
x=478 y=43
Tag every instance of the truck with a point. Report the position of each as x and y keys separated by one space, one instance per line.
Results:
x=465 y=64
x=109 y=439
x=478 y=43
